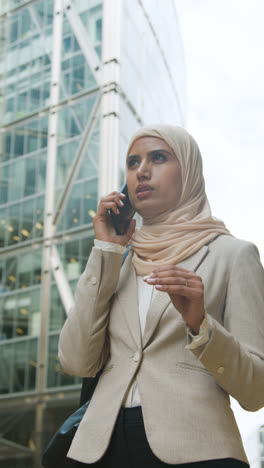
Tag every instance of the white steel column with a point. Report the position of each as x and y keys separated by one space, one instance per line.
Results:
x=110 y=125
x=61 y=280
x=50 y=191
x=48 y=225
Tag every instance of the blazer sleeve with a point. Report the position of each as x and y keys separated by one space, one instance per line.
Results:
x=83 y=342
x=234 y=354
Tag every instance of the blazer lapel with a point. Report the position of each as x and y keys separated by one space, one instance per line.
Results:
x=162 y=300
x=127 y=295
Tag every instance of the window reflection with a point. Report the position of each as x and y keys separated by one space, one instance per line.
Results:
x=20 y=315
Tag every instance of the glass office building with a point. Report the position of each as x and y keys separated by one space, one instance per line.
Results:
x=77 y=78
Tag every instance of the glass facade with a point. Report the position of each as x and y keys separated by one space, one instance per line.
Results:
x=150 y=88
x=152 y=71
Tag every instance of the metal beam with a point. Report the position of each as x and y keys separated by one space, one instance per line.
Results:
x=77 y=162
x=14 y=10
x=50 y=193
x=83 y=39
x=109 y=171
x=15 y=447
x=40 y=113
x=61 y=280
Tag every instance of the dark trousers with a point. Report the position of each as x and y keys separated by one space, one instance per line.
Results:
x=129 y=448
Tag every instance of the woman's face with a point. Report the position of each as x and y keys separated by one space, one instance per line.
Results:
x=153 y=175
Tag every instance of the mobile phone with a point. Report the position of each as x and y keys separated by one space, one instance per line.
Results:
x=126 y=213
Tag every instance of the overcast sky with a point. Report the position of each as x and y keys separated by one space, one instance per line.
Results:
x=223 y=42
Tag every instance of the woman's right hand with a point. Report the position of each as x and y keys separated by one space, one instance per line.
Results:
x=102 y=222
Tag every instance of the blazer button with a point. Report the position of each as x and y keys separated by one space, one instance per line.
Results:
x=136 y=356
x=220 y=370
x=93 y=280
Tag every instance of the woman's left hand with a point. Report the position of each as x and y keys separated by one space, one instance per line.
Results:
x=185 y=289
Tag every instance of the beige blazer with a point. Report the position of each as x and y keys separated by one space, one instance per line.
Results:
x=184 y=393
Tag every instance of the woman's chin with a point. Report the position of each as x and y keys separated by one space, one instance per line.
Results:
x=148 y=212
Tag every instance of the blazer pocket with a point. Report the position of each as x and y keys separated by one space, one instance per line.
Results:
x=187 y=366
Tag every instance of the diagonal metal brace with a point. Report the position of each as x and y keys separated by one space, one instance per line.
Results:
x=83 y=39
x=77 y=162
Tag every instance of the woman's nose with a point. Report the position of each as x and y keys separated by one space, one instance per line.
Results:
x=144 y=169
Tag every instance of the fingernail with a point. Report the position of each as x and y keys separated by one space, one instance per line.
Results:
x=150 y=280
x=122 y=194
x=117 y=210
x=121 y=203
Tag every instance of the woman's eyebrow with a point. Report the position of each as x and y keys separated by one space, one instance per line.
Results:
x=150 y=153
x=158 y=151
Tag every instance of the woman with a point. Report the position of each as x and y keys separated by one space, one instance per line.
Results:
x=177 y=329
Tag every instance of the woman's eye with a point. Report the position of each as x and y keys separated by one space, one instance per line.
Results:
x=131 y=163
x=159 y=157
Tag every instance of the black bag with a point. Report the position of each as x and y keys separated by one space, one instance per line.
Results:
x=55 y=454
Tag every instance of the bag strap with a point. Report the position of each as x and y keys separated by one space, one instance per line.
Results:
x=89 y=383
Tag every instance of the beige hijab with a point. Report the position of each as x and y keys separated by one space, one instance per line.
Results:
x=174 y=235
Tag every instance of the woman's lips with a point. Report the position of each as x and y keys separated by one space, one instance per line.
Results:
x=144 y=193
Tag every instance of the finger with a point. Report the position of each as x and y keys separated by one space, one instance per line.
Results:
x=172 y=280
x=173 y=270
x=192 y=293
x=105 y=206
x=114 y=196
x=176 y=273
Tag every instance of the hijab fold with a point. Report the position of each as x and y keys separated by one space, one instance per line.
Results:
x=174 y=235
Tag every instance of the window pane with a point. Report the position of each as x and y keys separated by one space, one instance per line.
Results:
x=65 y=158
x=33 y=137
x=11 y=273
x=57 y=313
x=3 y=227
x=89 y=201
x=25 y=270
x=32 y=368
x=13 y=227
x=41 y=174
x=72 y=259
x=73 y=209
x=23 y=303
x=56 y=376
x=44 y=132
x=7 y=153
x=8 y=317
x=36 y=270
x=13 y=30
x=6 y=367
x=4 y=173
x=34 y=99
x=20 y=366
x=17 y=180
x=28 y=313
x=39 y=214
x=19 y=142
x=30 y=176
x=27 y=219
